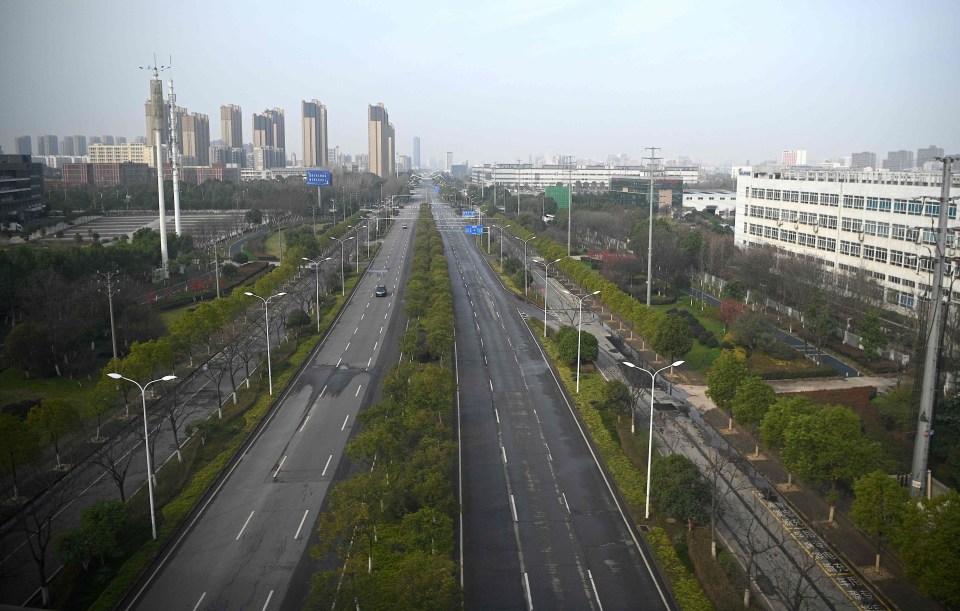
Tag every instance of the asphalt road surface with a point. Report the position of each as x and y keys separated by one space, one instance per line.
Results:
x=541 y=526
x=240 y=551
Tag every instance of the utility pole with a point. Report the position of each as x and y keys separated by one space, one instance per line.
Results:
x=653 y=159
x=157 y=120
x=175 y=159
x=569 y=205
x=112 y=290
x=919 y=484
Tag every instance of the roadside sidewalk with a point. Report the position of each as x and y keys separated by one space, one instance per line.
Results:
x=846 y=540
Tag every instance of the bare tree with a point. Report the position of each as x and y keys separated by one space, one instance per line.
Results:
x=35 y=519
x=116 y=456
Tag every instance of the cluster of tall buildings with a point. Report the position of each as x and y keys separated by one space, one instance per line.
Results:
x=381 y=139
x=898 y=161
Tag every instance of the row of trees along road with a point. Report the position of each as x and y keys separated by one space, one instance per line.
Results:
x=390 y=526
x=32 y=444
x=824 y=445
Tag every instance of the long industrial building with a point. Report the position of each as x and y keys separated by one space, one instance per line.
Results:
x=878 y=221
x=533 y=178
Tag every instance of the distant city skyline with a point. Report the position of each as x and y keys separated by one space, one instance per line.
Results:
x=508 y=80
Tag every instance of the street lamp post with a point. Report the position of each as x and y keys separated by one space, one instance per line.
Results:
x=266 y=311
x=525 y=262
x=579 y=330
x=316 y=268
x=653 y=387
x=502 y=227
x=343 y=279
x=146 y=440
x=546 y=287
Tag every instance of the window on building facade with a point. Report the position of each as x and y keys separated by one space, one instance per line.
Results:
x=849 y=248
x=885 y=204
x=854 y=225
x=914 y=208
x=900 y=206
x=830 y=199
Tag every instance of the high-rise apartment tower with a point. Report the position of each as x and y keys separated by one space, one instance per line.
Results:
x=314 y=134
x=380 y=138
x=231 y=126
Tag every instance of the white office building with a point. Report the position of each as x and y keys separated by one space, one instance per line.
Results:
x=851 y=220
x=712 y=201
x=533 y=178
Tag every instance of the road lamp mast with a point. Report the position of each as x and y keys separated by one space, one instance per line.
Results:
x=316 y=267
x=146 y=440
x=580 y=329
x=266 y=311
x=343 y=279
x=653 y=386
x=546 y=287
x=525 y=261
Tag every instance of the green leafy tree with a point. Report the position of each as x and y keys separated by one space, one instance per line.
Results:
x=254 y=216
x=828 y=447
x=672 y=338
x=819 y=319
x=53 y=419
x=679 y=490
x=102 y=524
x=930 y=544
x=873 y=336
x=751 y=401
x=617 y=398
x=566 y=339
x=752 y=330
x=773 y=427
x=19 y=443
x=72 y=548
x=878 y=506
x=726 y=375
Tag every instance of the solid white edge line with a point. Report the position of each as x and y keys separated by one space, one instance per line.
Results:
x=239 y=534
x=197 y=606
x=326 y=466
x=596 y=461
x=299 y=528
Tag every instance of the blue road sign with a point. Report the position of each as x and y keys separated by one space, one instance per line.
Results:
x=436 y=189
x=474 y=230
x=319 y=178
x=469 y=213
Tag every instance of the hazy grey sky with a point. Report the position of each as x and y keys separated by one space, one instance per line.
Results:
x=500 y=80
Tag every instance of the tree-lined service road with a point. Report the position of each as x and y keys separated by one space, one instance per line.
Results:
x=241 y=549
x=541 y=524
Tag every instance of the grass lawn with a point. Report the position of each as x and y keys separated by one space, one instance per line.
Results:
x=700 y=358
x=272 y=244
x=14 y=389
x=170 y=316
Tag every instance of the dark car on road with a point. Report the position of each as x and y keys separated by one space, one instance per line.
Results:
x=381 y=291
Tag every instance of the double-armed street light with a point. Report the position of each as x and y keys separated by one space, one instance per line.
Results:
x=146 y=440
x=266 y=311
x=525 y=261
x=653 y=387
x=546 y=287
x=580 y=328
x=343 y=278
x=502 y=227
x=316 y=267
